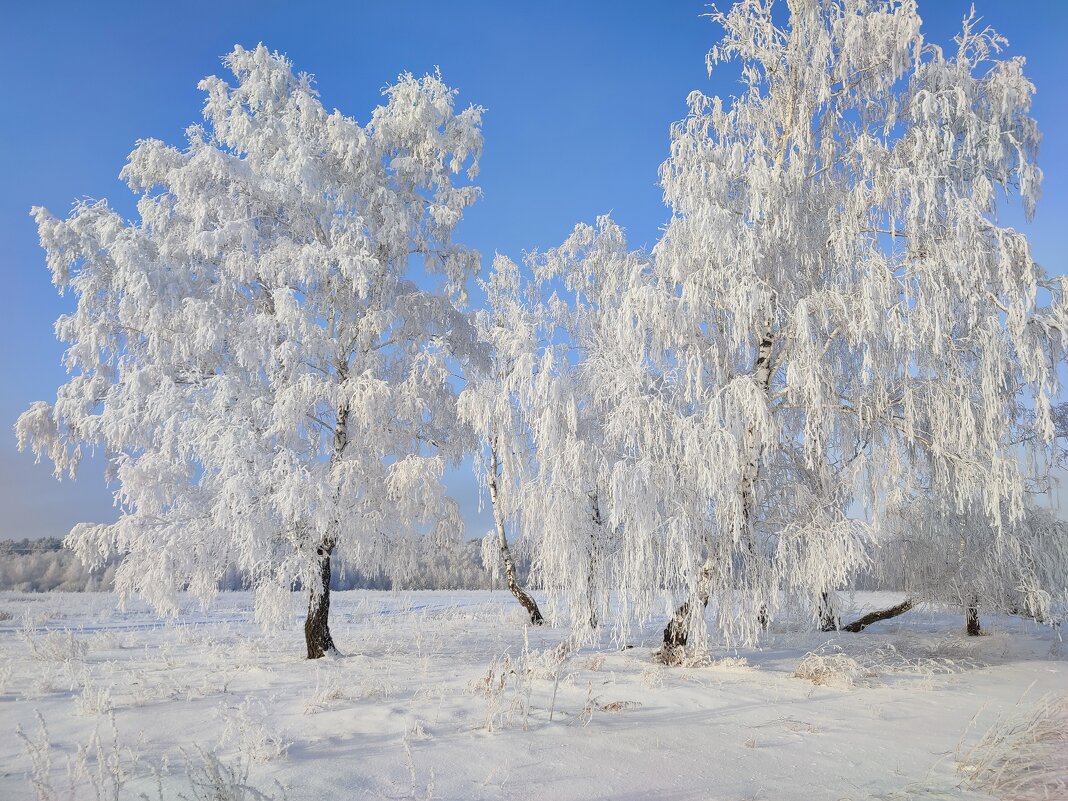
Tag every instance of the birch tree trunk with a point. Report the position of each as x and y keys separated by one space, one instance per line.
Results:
x=828 y=619
x=862 y=623
x=317 y=625
x=676 y=634
x=595 y=559
x=524 y=598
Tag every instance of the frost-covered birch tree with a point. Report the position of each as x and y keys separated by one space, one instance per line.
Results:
x=492 y=405
x=539 y=421
x=837 y=316
x=581 y=387
x=268 y=382
x=939 y=555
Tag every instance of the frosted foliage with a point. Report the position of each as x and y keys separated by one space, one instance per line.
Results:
x=943 y=557
x=833 y=320
x=582 y=383
x=844 y=318
x=541 y=448
x=252 y=354
x=491 y=404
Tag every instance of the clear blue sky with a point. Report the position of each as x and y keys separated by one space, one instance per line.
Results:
x=579 y=97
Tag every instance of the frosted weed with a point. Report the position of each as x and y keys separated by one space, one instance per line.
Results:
x=329 y=691
x=652 y=678
x=94 y=698
x=595 y=662
x=53 y=646
x=415 y=793
x=7 y=667
x=595 y=704
x=1022 y=755
x=212 y=779
x=96 y=770
x=832 y=670
x=247 y=727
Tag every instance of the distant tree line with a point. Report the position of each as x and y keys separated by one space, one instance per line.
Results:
x=44 y=565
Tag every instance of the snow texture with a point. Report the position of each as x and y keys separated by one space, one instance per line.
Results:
x=447 y=698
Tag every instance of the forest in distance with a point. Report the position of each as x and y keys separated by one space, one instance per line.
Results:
x=44 y=565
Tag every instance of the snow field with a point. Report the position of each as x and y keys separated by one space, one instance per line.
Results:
x=448 y=696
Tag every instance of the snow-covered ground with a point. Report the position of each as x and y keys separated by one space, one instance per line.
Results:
x=447 y=696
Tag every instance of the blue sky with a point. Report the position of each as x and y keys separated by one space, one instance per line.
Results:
x=579 y=99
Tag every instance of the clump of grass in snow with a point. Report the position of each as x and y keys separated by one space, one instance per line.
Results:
x=330 y=691
x=248 y=728
x=7 y=667
x=1024 y=755
x=212 y=779
x=831 y=670
x=53 y=646
x=95 y=698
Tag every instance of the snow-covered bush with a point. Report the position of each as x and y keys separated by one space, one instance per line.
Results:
x=210 y=778
x=248 y=728
x=54 y=646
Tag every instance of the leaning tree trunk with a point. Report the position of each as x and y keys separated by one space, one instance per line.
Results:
x=317 y=624
x=971 y=614
x=862 y=623
x=521 y=595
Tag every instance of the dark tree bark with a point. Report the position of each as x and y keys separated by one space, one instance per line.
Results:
x=524 y=598
x=317 y=624
x=591 y=573
x=828 y=620
x=971 y=614
x=676 y=633
x=862 y=623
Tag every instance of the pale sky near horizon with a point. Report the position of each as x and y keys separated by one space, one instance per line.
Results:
x=579 y=99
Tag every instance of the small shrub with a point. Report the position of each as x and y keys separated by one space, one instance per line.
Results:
x=329 y=692
x=211 y=779
x=94 y=699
